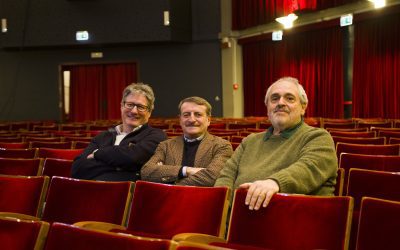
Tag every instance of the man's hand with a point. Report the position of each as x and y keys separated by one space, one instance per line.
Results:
x=191 y=170
x=260 y=192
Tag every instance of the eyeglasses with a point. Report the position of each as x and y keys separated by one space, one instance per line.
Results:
x=131 y=105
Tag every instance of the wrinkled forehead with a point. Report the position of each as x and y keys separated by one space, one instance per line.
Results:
x=283 y=88
x=191 y=106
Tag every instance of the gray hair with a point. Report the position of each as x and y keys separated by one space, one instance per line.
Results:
x=302 y=92
x=142 y=89
x=198 y=101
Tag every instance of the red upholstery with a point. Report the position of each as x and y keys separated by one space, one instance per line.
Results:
x=71 y=200
x=235 y=145
x=379 y=224
x=14 y=145
x=242 y=125
x=57 y=167
x=80 y=144
x=360 y=140
x=11 y=139
x=63 y=236
x=44 y=144
x=367 y=149
x=388 y=134
x=292 y=222
x=43 y=139
x=161 y=210
x=382 y=124
x=393 y=140
x=339 y=124
x=68 y=154
x=372 y=162
x=27 y=167
x=237 y=138
x=21 y=234
x=352 y=134
x=18 y=153
x=378 y=184
x=371 y=183
x=20 y=194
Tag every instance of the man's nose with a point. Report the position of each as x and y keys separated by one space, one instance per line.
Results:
x=282 y=101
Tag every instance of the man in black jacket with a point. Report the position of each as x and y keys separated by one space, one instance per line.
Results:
x=119 y=153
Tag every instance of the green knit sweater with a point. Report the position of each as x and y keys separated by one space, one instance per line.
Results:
x=302 y=161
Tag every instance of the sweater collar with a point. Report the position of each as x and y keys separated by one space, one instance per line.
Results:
x=286 y=133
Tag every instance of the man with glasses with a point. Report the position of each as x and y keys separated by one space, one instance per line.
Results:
x=196 y=157
x=119 y=153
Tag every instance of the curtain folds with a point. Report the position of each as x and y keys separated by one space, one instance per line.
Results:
x=376 y=76
x=314 y=57
x=95 y=90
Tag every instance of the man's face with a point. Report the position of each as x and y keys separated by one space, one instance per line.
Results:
x=194 y=119
x=134 y=111
x=284 y=107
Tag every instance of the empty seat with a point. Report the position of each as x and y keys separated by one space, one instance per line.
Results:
x=366 y=134
x=18 y=234
x=368 y=149
x=360 y=140
x=57 y=167
x=63 y=236
x=14 y=145
x=18 y=153
x=378 y=224
x=23 y=194
x=71 y=200
x=45 y=144
x=288 y=222
x=20 y=166
x=68 y=154
x=175 y=209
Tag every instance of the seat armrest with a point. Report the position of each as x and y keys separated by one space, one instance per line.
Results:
x=199 y=238
x=97 y=225
x=19 y=216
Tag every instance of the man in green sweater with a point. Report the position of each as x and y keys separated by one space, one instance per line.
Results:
x=290 y=157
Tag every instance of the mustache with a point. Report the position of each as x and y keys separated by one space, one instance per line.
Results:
x=281 y=108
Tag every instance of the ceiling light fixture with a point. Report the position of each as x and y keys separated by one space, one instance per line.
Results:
x=378 y=3
x=287 y=21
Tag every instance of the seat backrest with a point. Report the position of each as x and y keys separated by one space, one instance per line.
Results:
x=366 y=134
x=394 y=140
x=18 y=153
x=177 y=209
x=378 y=225
x=63 y=236
x=80 y=144
x=57 y=167
x=68 y=154
x=22 y=234
x=378 y=184
x=388 y=134
x=367 y=149
x=14 y=145
x=19 y=166
x=44 y=144
x=371 y=162
x=292 y=222
x=360 y=140
x=71 y=200
x=23 y=194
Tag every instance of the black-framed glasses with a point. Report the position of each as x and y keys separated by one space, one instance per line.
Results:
x=132 y=105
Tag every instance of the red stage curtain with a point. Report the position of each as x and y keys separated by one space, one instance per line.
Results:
x=85 y=92
x=314 y=57
x=96 y=90
x=250 y=13
x=376 y=76
x=118 y=76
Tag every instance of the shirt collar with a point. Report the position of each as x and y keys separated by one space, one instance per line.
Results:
x=118 y=128
x=286 y=133
x=193 y=140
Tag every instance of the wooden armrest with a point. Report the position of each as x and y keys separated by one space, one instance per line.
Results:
x=19 y=216
x=97 y=225
x=195 y=237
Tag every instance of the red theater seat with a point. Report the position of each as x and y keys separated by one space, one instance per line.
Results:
x=15 y=166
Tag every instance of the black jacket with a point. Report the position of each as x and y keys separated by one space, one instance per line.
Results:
x=122 y=162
